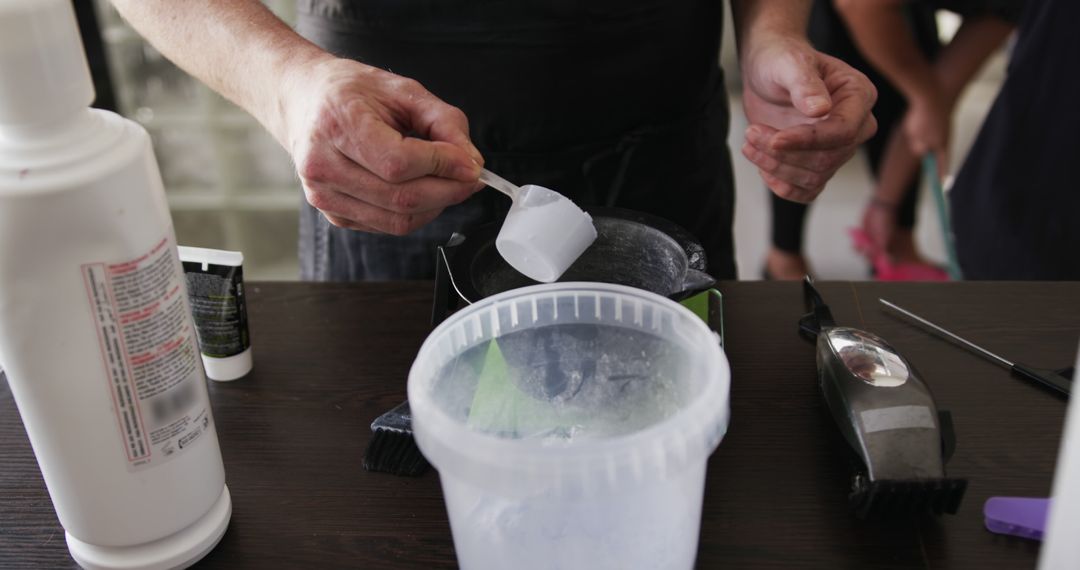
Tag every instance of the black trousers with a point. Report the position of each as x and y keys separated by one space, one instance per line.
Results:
x=829 y=34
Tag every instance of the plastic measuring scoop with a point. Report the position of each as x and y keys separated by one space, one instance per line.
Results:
x=544 y=232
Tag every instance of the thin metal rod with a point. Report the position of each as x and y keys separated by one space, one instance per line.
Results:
x=968 y=344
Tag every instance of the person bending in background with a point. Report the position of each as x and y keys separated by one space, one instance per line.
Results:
x=390 y=108
x=919 y=81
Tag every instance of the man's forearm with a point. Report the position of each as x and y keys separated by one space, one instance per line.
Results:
x=884 y=37
x=238 y=48
x=758 y=18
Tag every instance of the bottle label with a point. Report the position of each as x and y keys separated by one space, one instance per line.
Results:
x=150 y=355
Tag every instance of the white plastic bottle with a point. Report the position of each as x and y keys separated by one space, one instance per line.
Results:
x=96 y=337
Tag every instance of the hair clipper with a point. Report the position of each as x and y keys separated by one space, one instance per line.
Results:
x=887 y=415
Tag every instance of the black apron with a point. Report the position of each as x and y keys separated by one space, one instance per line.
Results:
x=608 y=102
x=1016 y=201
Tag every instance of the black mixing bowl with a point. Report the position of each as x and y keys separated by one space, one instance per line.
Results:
x=634 y=249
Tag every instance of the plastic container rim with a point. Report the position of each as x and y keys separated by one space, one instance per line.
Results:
x=439 y=425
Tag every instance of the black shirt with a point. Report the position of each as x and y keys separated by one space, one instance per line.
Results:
x=1016 y=201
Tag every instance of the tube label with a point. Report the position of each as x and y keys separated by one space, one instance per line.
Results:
x=216 y=294
x=149 y=352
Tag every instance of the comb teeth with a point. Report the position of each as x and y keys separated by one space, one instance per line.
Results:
x=895 y=497
x=394 y=451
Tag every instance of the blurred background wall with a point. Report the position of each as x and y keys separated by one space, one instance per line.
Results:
x=229 y=184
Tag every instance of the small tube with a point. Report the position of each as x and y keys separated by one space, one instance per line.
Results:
x=215 y=286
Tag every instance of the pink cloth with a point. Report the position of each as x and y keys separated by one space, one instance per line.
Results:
x=886 y=269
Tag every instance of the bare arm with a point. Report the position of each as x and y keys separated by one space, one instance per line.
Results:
x=754 y=18
x=807 y=111
x=238 y=48
x=976 y=40
x=954 y=68
x=343 y=122
x=884 y=37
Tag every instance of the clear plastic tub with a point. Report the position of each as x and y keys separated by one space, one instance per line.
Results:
x=570 y=424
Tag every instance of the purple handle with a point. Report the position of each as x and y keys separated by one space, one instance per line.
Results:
x=1017 y=516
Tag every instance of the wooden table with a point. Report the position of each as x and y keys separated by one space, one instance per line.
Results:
x=331 y=357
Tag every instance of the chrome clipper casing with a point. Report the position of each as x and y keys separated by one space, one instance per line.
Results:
x=888 y=417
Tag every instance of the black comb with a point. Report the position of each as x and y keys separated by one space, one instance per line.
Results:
x=392 y=448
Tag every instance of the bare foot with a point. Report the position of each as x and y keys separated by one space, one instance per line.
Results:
x=785 y=266
x=902 y=248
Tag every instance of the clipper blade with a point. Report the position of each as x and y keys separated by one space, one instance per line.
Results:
x=891 y=497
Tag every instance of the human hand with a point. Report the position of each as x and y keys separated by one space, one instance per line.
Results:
x=808 y=114
x=927 y=124
x=352 y=131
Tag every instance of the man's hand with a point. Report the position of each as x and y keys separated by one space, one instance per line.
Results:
x=375 y=151
x=808 y=113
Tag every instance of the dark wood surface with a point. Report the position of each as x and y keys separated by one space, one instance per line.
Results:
x=329 y=358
